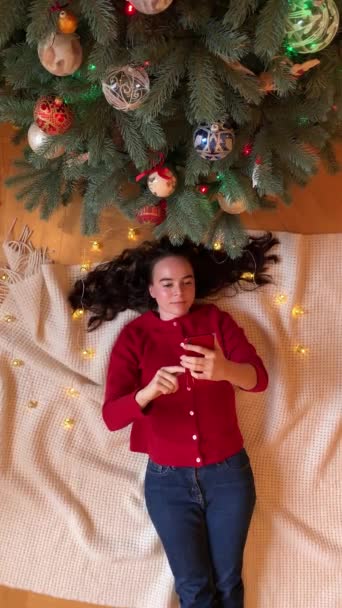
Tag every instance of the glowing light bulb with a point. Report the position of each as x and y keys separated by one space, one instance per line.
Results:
x=85 y=267
x=248 y=276
x=96 y=246
x=300 y=349
x=132 y=234
x=72 y=392
x=78 y=314
x=297 y=311
x=281 y=298
x=88 y=353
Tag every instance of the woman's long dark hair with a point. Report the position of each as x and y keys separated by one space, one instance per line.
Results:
x=123 y=283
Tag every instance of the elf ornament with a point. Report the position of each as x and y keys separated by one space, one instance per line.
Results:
x=234 y=207
x=311 y=26
x=52 y=115
x=151 y=7
x=214 y=141
x=67 y=22
x=37 y=140
x=152 y=214
x=125 y=88
x=60 y=54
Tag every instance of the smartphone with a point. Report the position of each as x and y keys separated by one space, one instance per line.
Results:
x=206 y=340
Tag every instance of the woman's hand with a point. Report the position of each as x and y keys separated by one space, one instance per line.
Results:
x=164 y=382
x=213 y=366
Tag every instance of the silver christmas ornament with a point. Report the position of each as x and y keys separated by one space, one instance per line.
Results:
x=38 y=139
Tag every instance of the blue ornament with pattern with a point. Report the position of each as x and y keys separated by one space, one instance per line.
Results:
x=215 y=141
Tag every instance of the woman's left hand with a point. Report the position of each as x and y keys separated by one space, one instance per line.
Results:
x=212 y=366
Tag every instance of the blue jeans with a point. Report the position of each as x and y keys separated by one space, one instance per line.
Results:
x=202 y=516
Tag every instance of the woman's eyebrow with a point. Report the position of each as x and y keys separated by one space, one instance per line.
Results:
x=187 y=276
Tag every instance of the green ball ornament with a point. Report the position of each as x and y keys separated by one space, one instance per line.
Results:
x=311 y=26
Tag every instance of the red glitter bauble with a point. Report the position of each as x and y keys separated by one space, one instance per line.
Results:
x=52 y=115
x=152 y=214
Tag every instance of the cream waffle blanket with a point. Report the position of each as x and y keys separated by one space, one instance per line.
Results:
x=72 y=518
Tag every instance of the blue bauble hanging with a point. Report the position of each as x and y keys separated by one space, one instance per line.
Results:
x=215 y=141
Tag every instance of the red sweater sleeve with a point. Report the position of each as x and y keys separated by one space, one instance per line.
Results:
x=237 y=348
x=120 y=407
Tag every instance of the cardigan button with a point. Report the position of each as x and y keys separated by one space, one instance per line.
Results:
x=175 y=324
x=198 y=460
x=191 y=413
x=194 y=437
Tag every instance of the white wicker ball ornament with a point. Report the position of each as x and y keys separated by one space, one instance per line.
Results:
x=125 y=88
x=214 y=141
x=151 y=7
x=162 y=182
x=37 y=139
x=233 y=208
x=311 y=27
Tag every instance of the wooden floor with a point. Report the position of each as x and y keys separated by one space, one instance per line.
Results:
x=316 y=209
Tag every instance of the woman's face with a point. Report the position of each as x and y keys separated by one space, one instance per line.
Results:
x=173 y=287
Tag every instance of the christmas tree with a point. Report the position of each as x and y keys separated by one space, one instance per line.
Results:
x=184 y=113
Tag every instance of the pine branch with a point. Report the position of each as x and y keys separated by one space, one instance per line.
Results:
x=206 y=102
x=133 y=140
x=170 y=72
x=228 y=231
x=248 y=86
x=103 y=57
x=193 y=14
x=152 y=132
x=239 y=11
x=222 y=41
x=329 y=158
x=101 y=18
x=12 y=17
x=195 y=166
x=271 y=28
x=23 y=70
x=18 y=112
x=42 y=22
x=189 y=217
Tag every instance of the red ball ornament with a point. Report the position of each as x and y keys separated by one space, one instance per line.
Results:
x=52 y=115
x=152 y=214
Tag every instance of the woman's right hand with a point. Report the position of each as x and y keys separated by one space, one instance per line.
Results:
x=164 y=382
